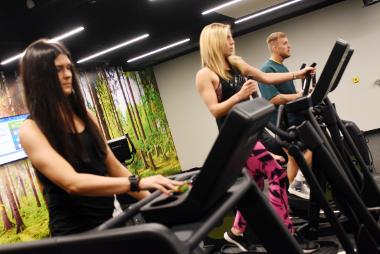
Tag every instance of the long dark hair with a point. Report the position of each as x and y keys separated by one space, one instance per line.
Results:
x=50 y=108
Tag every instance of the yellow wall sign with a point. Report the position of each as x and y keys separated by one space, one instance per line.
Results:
x=356 y=80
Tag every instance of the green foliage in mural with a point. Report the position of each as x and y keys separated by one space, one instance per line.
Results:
x=24 y=216
x=129 y=103
x=110 y=112
x=157 y=143
x=36 y=220
x=124 y=103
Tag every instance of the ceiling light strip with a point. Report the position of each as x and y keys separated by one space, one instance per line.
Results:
x=55 y=39
x=158 y=50
x=114 y=48
x=220 y=6
x=266 y=11
x=13 y=58
x=68 y=34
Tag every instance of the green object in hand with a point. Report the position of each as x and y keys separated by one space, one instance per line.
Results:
x=183 y=188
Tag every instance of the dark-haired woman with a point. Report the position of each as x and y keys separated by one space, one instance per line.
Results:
x=62 y=139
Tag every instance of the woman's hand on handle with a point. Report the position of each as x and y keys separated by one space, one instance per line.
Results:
x=301 y=74
x=161 y=183
x=249 y=87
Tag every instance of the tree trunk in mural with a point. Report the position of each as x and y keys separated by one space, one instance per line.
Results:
x=162 y=117
x=152 y=143
x=113 y=107
x=155 y=132
x=3 y=103
x=98 y=88
x=169 y=134
x=38 y=184
x=6 y=221
x=6 y=101
x=98 y=108
x=21 y=181
x=141 y=125
x=28 y=169
x=12 y=186
x=15 y=211
x=135 y=115
x=107 y=102
x=148 y=116
x=126 y=102
x=132 y=114
x=131 y=109
x=147 y=86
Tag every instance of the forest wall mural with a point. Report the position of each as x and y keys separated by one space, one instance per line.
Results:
x=124 y=103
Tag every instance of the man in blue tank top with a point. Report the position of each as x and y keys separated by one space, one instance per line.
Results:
x=282 y=93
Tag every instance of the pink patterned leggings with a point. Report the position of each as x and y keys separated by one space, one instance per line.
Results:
x=261 y=165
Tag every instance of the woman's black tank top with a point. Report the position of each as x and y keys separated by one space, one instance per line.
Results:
x=227 y=88
x=71 y=214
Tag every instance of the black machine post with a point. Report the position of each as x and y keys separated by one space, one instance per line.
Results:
x=313 y=141
x=329 y=162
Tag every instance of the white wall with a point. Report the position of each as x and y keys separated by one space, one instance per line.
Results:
x=192 y=126
x=312 y=37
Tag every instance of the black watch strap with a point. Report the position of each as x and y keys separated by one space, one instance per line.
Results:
x=134 y=182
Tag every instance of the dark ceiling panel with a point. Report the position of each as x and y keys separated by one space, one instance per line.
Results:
x=108 y=23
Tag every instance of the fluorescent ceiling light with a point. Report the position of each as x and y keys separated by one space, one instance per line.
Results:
x=13 y=58
x=220 y=6
x=159 y=50
x=113 y=48
x=266 y=11
x=68 y=34
x=55 y=39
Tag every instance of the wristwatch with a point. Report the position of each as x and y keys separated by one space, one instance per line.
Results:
x=134 y=182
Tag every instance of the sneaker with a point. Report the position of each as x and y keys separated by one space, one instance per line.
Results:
x=306 y=245
x=239 y=241
x=299 y=189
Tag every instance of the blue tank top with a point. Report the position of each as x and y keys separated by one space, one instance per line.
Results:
x=69 y=214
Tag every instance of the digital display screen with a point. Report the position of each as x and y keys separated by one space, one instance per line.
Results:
x=10 y=146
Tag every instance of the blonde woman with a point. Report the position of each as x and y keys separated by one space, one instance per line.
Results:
x=222 y=83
